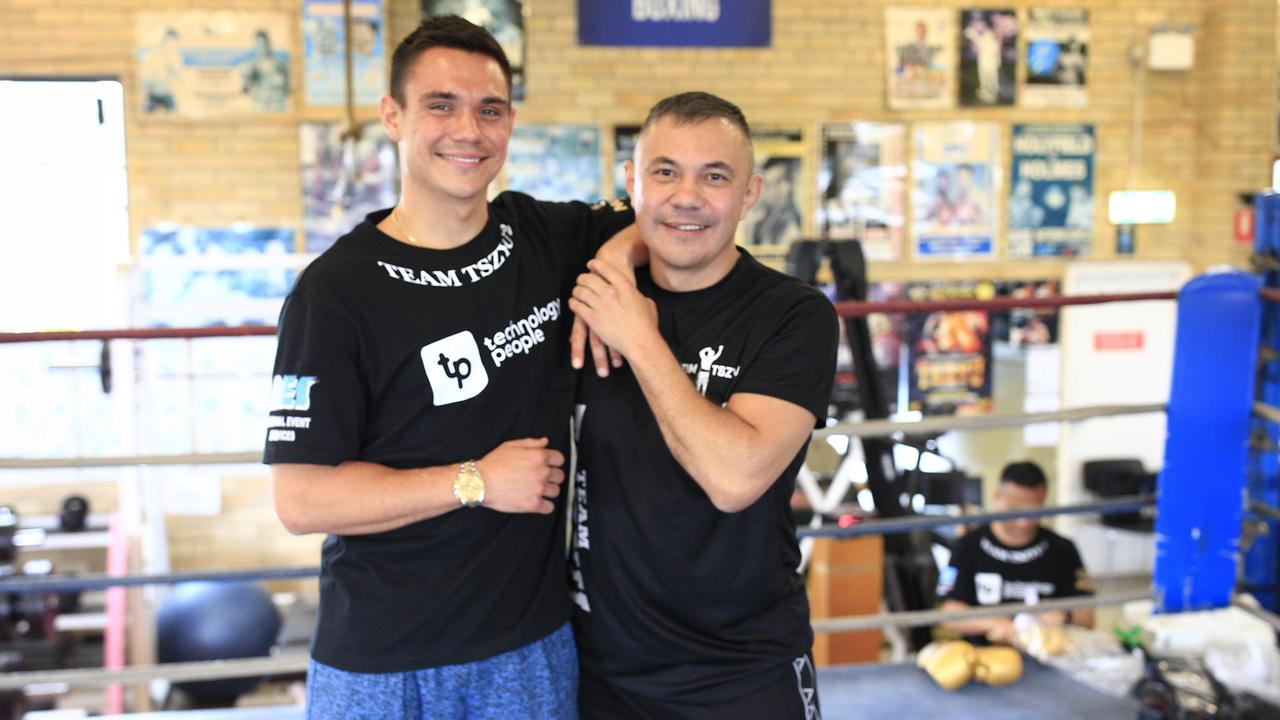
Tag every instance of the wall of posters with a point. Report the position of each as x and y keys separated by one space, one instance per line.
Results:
x=213 y=64
x=339 y=188
x=504 y=19
x=1051 y=190
x=555 y=162
x=862 y=186
x=1057 y=58
x=624 y=147
x=920 y=44
x=777 y=218
x=954 y=193
x=949 y=353
x=988 y=57
x=324 y=47
x=743 y=23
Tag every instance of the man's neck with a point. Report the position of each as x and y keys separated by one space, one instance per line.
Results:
x=673 y=279
x=438 y=223
x=1008 y=542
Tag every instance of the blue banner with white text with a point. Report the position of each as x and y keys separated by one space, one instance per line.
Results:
x=681 y=23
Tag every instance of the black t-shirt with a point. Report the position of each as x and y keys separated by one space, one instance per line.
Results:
x=985 y=571
x=677 y=599
x=411 y=358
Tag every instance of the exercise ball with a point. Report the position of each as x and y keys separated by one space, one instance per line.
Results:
x=216 y=621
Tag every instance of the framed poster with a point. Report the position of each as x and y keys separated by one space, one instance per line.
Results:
x=949 y=353
x=555 y=161
x=920 y=44
x=954 y=167
x=1051 y=191
x=1057 y=58
x=862 y=186
x=988 y=57
x=214 y=64
x=777 y=218
x=324 y=52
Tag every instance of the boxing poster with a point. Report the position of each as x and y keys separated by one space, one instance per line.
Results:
x=214 y=64
x=624 y=148
x=324 y=52
x=555 y=162
x=920 y=44
x=778 y=216
x=949 y=353
x=341 y=184
x=988 y=57
x=1026 y=327
x=504 y=19
x=684 y=23
x=954 y=190
x=1051 y=191
x=862 y=186
x=1057 y=58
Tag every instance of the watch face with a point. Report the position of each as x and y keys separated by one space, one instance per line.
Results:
x=469 y=488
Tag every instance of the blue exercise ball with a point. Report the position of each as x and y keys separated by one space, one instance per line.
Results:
x=216 y=621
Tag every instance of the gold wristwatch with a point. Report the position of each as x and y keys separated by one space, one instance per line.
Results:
x=469 y=487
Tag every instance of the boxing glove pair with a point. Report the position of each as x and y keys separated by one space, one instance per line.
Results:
x=954 y=663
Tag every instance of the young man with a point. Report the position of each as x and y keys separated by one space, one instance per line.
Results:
x=419 y=415
x=685 y=553
x=1013 y=561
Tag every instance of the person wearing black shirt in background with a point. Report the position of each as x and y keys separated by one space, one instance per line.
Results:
x=1013 y=561
x=684 y=551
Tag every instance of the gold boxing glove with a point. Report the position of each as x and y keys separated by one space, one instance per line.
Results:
x=998 y=665
x=950 y=663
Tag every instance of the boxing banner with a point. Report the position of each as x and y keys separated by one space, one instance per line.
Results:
x=1057 y=58
x=777 y=219
x=324 y=52
x=340 y=186
x=949 y=353
x=675 y=23
x=953 y=196
x=988 y=57
x=213 y=64
x=862 y=186
x=920 y=44
x=504 y=19
x=555 y=162
x=1051 y=191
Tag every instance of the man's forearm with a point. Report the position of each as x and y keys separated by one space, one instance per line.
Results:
x=358 y=498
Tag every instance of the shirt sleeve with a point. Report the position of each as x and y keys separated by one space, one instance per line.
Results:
x=585 y=228
x=798 y=361
x=1075 y=580
x=956 y=580
x=317 y=406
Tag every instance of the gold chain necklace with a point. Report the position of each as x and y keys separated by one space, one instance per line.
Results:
x=396 y=221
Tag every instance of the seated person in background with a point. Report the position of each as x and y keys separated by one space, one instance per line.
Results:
x=1014 y=561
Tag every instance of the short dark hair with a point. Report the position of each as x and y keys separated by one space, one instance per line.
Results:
x=1024 y=474
x=696 y=106
x=448 y=31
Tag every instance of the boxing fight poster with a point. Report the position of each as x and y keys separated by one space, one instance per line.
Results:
x=1057 y=58
x=988 y=57
x=778 y=216
x=504 y=19
x=949 y=353
x=920 y=44
x=1026 y=327
x=324 y=52
x=1051 y=191
x=555 y=162
x=862 y=186
x=624 y=149
x=954 y=175
x=341 y=183
x=213 y=64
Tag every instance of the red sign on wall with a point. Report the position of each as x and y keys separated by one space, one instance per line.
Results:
x=1244 y=226
x=1118 y=340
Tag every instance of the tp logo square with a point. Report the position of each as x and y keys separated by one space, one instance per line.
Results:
x=454 y=368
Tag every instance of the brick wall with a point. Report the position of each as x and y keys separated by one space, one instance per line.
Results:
x=1207 y=134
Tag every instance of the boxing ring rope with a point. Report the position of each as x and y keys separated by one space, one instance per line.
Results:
x=295 y=663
